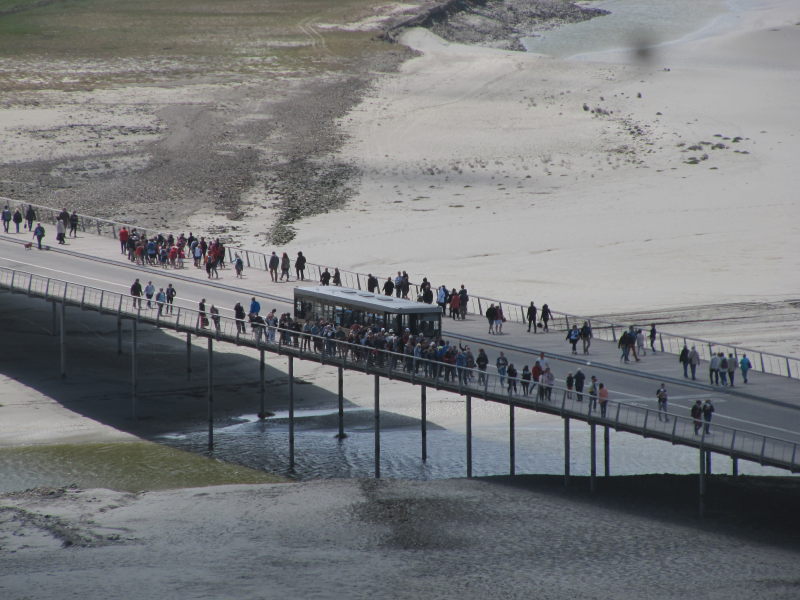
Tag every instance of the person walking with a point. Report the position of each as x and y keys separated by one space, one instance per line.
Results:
x=73 y=224
x=653 y=334
x=161 y=300
x=683 y=358
x=30 y=217
x=694 y=360
x=482 y=361
x=512 y=379
x=215 y=316
x=602 y=399
x=713 y=370
x=300 y=266
x=593 y=391
x=586 y=336
x=38 y=233
x=745 y=365
x=61 y=231
x=255 y=306
x=624 y=346
x=17 y=218
x=170 y=292
x=239 y=315
x=6 y=218
x=388 y=287
x=546 y=315
x=731 y=367
x=238 y=266
x=286 y=264
x=573 y=337
x=708 y=411
x=502 y=364
x=499 y=319
x=274 y=263
x=548 y=381
x=570 y=383
x=661 y=396
x=697 y=415
x=531 y=316
x=463 y=299
x=149 y=291
x=136 y=292
x=455 y=304
x=202 y=319
x=526 y=379
x=337 y=277
x=491 y=313
x=723 y=368
x=580 y=378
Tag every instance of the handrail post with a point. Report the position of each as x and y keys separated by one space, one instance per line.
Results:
x=763 y=449
x=788 y=368
x=761 y=354
x=644 y=425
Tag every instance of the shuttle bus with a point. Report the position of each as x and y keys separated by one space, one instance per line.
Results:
x=345 y=307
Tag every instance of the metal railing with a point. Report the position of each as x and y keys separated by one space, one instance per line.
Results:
x=764 y=362
x=492 y=386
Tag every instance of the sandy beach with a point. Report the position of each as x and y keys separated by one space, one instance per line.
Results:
x=615 y=182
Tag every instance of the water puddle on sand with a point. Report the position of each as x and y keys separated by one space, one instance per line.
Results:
x=122 y=466
x=631 y=24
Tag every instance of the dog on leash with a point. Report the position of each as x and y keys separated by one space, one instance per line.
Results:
x=29 y=245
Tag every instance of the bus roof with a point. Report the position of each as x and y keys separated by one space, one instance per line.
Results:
x=366 y=300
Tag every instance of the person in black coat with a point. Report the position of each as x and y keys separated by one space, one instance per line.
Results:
x=531 y=315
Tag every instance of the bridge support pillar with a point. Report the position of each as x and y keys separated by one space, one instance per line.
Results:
x=134 y=383
x=261 y=387
x=469 y=436
x=188 y=355
x=511 y=442
x=735 y=466
x=423 y=401
x=708 y=462
x=63 y=340
x=593 y=457
x=54 y=329
x=341 y=435
x=606 y=451
x=210 y=393
x=566 y=451
x=702 y=483
x=119 y=335
x=291 y=413
x=377 y=427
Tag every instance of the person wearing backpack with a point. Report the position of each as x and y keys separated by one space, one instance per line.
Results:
x=573 y=336
x=723 y=369
x=38 y=233
x=745 y=365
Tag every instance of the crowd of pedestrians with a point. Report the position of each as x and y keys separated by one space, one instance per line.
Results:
x=721 y=369
x=66 y=224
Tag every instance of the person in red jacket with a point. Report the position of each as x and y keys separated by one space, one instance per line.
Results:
x=123 y=236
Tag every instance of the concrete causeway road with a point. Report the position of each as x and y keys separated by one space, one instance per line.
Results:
x=769 y=404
